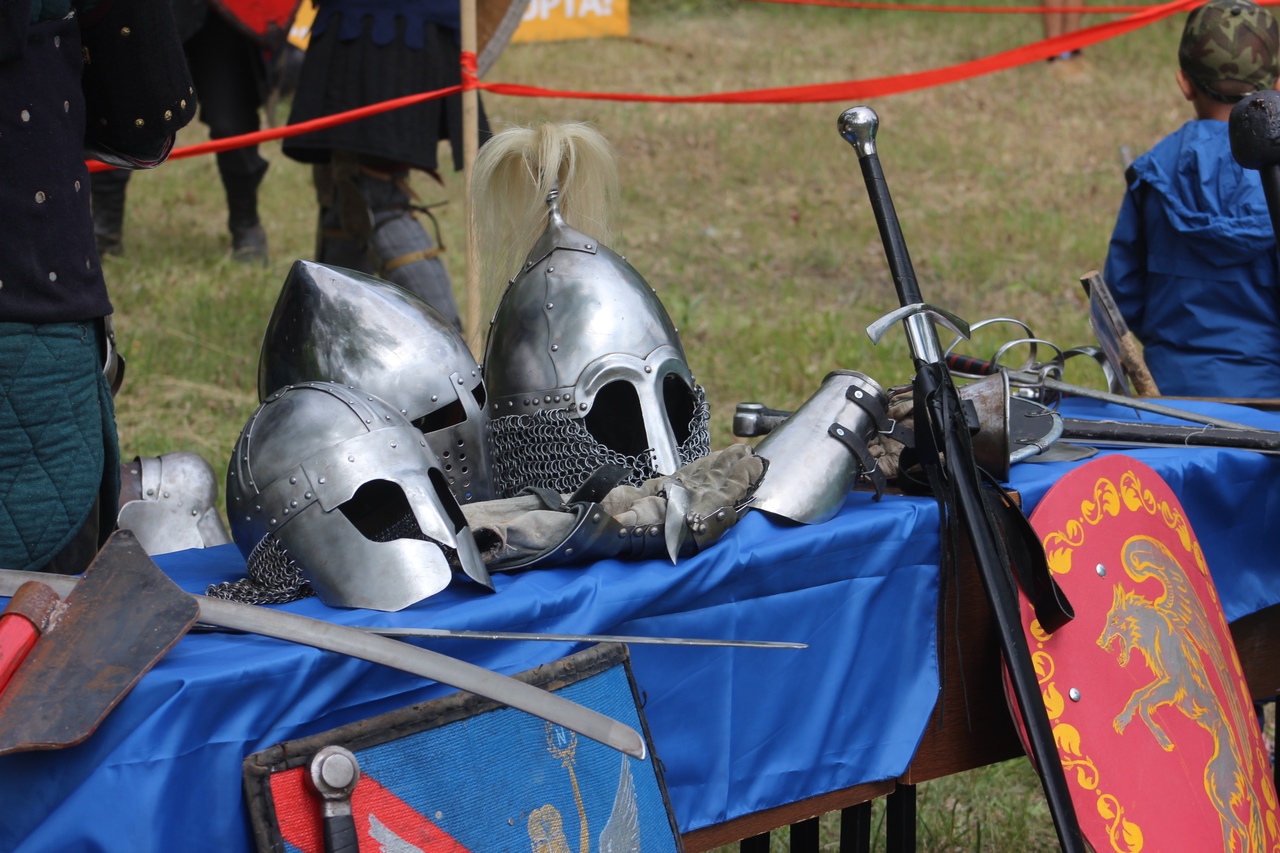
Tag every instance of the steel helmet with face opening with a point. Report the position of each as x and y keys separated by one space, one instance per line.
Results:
x=338 y=483
x=336 y=325
x=584 y=367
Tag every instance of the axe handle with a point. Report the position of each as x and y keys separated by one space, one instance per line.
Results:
x=1136 y=366
x=22 y=623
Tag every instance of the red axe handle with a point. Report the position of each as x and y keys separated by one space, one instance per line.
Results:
x=22 y=623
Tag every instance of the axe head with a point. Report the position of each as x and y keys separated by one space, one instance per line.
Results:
x=109 y=631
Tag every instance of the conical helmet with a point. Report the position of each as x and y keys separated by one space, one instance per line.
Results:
x=584 y=367
x=337 y=325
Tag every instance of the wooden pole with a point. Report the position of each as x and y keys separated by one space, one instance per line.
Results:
x=470 y=145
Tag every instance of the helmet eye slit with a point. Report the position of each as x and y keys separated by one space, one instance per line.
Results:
x=680 y=403
x=381 y=512
x=616 y=420
x=442 y=418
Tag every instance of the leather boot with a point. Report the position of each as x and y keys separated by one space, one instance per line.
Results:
x=106 y=199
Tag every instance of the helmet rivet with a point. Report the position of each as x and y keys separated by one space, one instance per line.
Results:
x=582 y=407
x=551 y=269
x=293 y=481
x=307 y=496
x=654 y=531
x=588 y=246
x=720 y=515
x=526 y=401
x=857 y=394
x=393 y=445
x=321 y=481
x=293 y=504
x=839 y=431
x=273 y=521
x=459 y=380
x=547 y=398
x=435 y=397
x=648 y=369
x=555 y=347
x=536 y=401
x=595 y=519
x=550 y=305
x=622 y=534
x=368 y=421
x=568 y=551
x=510 y=403
x=257 y=508
x=286 y=512
x=151 y=491
x=194 y=513
x=351 y=458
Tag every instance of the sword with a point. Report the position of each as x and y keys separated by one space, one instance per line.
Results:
x=1121 y=433
x=393 y=653
x=944 y=449
x=445 y=633
x=981 y=367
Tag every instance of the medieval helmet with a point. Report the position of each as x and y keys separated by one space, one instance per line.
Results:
x=584 y=367
x=170 y=502
x=340 y=483
x=336 y=325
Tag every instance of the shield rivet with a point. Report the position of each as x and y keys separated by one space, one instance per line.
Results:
x=1074 y=694
x=1101 y=570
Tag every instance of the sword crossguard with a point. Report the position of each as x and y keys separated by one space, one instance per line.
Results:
x=877 y=330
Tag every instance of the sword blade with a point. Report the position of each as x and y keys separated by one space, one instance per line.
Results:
x=393 y=653
x=445 y=633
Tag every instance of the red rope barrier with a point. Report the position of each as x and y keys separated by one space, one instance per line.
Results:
x=880 y=87
x=227 y=143
x=851 y=90
x=986 y=10
x=967 y=10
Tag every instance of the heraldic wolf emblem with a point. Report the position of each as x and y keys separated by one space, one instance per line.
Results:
x=1173 y=634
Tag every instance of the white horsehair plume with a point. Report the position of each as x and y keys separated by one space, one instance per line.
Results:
x=514 y=173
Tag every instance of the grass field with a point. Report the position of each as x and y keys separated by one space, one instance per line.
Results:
x=751 y=221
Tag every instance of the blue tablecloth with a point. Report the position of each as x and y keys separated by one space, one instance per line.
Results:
x=737 y=730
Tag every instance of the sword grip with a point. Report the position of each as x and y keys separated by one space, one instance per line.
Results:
x=340 y=833
x=970 y=364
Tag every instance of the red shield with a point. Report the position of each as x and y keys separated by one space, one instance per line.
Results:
x=260 y=18
x=1146 y=698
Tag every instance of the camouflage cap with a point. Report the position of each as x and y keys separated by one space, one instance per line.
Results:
x=1230 y=48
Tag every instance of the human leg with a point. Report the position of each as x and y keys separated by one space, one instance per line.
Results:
x=106 y=198
x=229 y=72
x=367 y=224
x=400 y=247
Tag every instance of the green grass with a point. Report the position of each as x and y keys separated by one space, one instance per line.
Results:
x=751 y=221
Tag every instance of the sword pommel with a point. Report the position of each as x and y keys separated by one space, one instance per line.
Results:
x=858 y=126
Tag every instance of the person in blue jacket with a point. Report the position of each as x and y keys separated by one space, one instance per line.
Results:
x=1192 y=260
